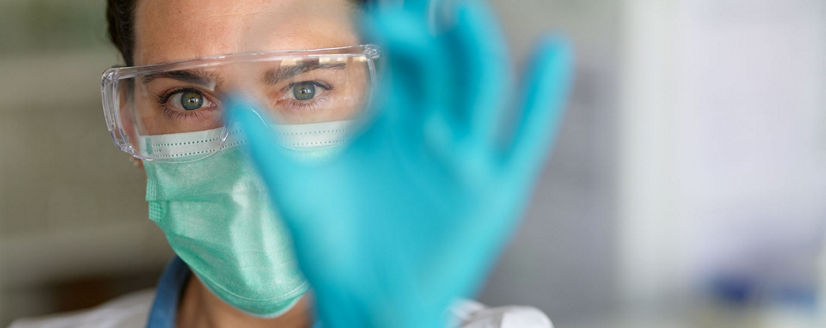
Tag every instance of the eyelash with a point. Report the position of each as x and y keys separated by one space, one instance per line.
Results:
x=163 y=100
x=304 y=105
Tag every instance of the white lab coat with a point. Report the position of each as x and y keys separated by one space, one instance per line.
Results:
x=132 y=311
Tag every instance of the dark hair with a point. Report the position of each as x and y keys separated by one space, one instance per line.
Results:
x=120 y=15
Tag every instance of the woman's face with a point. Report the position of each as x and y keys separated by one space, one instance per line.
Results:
x=173 y=30
x=170 y=30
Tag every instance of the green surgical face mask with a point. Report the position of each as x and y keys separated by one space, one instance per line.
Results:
x=217 y=218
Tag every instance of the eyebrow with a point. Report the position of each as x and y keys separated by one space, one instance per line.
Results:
x=189 y=76
x=285 y=72
x=270 y=77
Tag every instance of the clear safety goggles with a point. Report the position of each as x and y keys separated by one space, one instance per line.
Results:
x=174 y=111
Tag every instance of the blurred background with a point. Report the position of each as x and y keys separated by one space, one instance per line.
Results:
x=687 y=188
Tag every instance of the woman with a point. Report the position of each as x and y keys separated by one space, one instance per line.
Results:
x=383 y=182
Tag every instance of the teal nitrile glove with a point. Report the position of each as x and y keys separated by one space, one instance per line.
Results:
x=410 y=215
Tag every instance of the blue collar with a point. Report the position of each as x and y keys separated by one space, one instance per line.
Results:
x=168 y=294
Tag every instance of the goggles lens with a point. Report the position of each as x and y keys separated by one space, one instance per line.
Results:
x=152 y=108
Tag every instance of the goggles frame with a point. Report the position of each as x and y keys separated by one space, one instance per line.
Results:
x=111 y=77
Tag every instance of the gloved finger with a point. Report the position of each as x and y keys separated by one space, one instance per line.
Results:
x=546 y=87
x=416 y=75
x=485 y=66
x=419 y=6
x=275 y=166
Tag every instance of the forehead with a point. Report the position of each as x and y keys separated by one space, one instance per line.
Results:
x=170 y=30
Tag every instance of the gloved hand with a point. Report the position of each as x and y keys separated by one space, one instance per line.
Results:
x=409 y=216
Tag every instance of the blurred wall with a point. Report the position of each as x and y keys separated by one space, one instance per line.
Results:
x=721 y=143
x=73 y=226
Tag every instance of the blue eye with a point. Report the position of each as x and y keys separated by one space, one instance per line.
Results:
x=186 y=100
x=304 y=90
x=189 y=104
x=191 y=100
